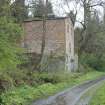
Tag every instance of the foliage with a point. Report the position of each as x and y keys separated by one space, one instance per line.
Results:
x=4 y=8
x=92 y=52
x=54 y=78
x=26 y=93
x=6 y=82
x=10 y=34
x=38 y=8
x=93 y=61
x=99 y=97
x=19 y=10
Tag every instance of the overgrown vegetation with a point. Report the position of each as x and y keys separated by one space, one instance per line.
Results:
x=93 y=61
x=10 y=34
x=20 y=87
x=27 y=88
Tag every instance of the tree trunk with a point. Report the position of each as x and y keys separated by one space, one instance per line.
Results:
x=43 y=35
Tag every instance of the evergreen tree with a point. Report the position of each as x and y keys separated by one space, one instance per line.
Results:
x=19 y=10
x=38 y=8
x=4 y=8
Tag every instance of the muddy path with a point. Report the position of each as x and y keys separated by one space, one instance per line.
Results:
x=73 y=95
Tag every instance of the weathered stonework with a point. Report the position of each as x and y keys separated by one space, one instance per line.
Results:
x=59 y=38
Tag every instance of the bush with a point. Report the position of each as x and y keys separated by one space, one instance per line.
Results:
x=10 y=34
x=54 y=78
x=6 y=82
x=18 y=76
x=93 y=61
x=24 y=94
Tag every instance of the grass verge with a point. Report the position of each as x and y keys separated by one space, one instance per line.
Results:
x=25 y=94
x=99 y=97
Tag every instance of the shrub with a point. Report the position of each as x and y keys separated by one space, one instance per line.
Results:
x=93 y=61
x=53 y=78
x=10 y=34
x=6 y=82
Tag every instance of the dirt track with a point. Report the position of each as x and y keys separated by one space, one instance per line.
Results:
x=71 y=96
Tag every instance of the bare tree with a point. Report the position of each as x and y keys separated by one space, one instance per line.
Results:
x=89 y=8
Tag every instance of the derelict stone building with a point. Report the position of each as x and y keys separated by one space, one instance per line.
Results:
x=59 y=40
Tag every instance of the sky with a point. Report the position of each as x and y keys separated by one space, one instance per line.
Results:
x=61 y=9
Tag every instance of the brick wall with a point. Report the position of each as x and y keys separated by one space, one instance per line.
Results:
x=55 y=36
x=59 y=41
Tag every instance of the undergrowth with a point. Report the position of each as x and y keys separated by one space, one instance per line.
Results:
x=42 y=85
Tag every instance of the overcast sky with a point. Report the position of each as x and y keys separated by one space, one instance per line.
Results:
x=60 y=9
